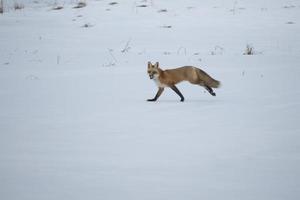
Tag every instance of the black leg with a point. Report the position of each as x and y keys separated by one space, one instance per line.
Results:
x=210 y=90
x=175 y=89
x=159 y=92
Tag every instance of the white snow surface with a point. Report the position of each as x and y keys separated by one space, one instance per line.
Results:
x=75 y=123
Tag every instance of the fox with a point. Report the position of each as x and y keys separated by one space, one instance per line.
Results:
x=170 y=77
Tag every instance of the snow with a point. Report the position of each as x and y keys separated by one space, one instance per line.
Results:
x=75 y=123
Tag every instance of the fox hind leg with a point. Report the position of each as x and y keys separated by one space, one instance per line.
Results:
x=210 y=90
x=201 y=83
x=175 y=89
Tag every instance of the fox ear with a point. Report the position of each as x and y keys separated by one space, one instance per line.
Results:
x=149 y=64
x=156 y=64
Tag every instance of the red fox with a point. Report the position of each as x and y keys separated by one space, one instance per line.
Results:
x=170 y=77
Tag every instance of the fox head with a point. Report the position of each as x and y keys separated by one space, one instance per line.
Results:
x=153 y=70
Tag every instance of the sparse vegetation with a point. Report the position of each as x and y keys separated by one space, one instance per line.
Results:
x=249 y=50
x=289 y=6
x=127 y=46
x=113 y=3
x=57 y=7
x=80 y=4
x=290 y=22
x=32 y=77
x=166 y=26
x=87 y=25
x=264 y=9
x=18 y=6
x=1 y=7
x=142 y=6
x=218 y=50
x=162 y=10
x=181 y=50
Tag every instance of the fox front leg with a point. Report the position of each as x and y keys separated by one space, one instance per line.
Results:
x=159 y=92
x=175 y=89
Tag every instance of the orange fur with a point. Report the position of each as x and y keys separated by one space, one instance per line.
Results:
x=192 y=74
x=170 y=77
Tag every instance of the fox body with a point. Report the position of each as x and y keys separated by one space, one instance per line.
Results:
x=170 y=77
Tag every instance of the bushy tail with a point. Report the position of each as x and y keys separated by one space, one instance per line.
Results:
x=213 y=83
x=207 y=79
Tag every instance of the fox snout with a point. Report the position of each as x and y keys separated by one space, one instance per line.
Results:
x=153 y=75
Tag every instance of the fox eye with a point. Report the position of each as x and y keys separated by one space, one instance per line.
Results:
x=154 y=72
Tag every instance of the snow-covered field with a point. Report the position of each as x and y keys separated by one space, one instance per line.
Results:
x=75 y=123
